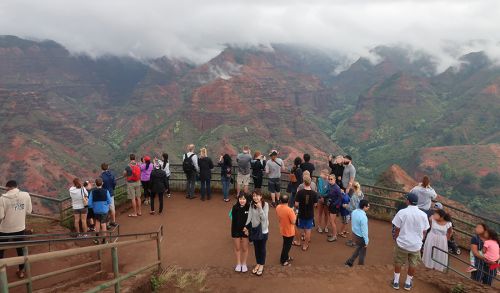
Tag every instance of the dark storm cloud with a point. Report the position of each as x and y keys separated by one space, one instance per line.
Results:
x=198 y=30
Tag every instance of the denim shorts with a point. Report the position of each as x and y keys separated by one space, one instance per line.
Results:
x=305 y=224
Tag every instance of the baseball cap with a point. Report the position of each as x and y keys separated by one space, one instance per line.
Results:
x=147 y=158
x=438 y=206
x=412 y=198
x=348 y=157
x=273 y=153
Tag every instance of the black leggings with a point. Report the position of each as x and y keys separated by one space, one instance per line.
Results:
x=19 y=249
x=160 y=198
x=146 y=185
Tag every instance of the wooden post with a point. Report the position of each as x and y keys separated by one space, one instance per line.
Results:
x=27 y=268
x=99 y=257
x=114 y=256
x=158 y=249
x=4 y=284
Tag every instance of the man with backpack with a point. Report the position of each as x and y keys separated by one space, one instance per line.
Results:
x=190 y=168
x=132 y=174
x=109 y=183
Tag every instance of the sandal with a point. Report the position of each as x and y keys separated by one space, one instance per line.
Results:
x=286 y=264
x=296 y=243
x=139 y=215
x=302 y=237
x=290 y=259
x=305 y=247
x=132 y=215
x=256 y=269
x=152 y=212
x=260 y=271
x=343 y=235
x=20 y=274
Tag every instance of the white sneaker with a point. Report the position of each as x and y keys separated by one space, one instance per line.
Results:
x=237 y=268
x=326 y=230
x=320 y=230
x=244 y=269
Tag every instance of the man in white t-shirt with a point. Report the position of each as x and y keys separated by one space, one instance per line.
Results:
x=15 y=205
x=411 y=224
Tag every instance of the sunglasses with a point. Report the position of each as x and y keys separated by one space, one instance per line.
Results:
x=331 y=179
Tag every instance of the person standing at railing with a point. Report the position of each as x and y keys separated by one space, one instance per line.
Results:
x=274 y=167
x=483 y=272
x=165 y=166
x=146 y=169
x=425 y=194
x=99 y=200
x=158 y=186
x=411 y=225
x=243 y=160
x=132 y=174
x=349 y=175
x=307 y=165
x=206 y=165
x=334 y=200
x=440 y=233
x=14 y=206
x=79 y=198
x=190 y=168
x=258 y=167
x=296 y=178
x=323 y=213
x=305 y=202
x=109 y=183
x=336 y=165
x=226 y=169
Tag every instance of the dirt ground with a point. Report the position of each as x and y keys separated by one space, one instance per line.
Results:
x=197 y=235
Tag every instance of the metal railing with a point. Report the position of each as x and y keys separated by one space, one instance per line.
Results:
x=28 y=260
x=449 y=267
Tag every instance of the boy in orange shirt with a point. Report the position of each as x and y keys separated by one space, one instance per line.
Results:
x=287 y=218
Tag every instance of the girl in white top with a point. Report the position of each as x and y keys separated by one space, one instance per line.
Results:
x=441 y=231
x=165 y=166
x=78 y=193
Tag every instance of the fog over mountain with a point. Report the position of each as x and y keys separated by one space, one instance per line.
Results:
x=199 y=30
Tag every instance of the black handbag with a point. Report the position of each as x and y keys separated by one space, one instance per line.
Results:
x=256 y=233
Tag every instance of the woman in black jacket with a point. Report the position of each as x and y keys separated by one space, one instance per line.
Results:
x=258 y=166
x=239 y=215
x=296 y=179
x=158 y=184
x=337 y=166
x=206 y=165
x=226 y=167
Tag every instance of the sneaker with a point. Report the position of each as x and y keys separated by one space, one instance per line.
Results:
x=91 y=230
x=244 y=268
x=331 y=238
x=320 y=230
x=96 y=241
x=395 y=285
x=471 y=269
x=407 y=287
x=85 y=235
x=238 y=269
x=348 y=265
x=326 y=230
x=169 y=195
x=113 y=224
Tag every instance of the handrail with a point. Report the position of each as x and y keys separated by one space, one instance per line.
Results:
x=448 y=266
x=28 y=259
x=38 y=195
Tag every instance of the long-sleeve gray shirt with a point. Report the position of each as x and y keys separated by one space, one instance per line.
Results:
x=259 y=216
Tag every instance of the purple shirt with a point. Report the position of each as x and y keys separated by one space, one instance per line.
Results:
x=146 y=173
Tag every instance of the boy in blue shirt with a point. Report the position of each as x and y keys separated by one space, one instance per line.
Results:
x=360 y=233
x=345 y=214
x=99 y=201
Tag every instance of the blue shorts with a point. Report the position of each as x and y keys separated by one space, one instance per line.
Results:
x=305 y=224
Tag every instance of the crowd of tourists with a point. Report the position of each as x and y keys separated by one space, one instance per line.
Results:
x=332 y=204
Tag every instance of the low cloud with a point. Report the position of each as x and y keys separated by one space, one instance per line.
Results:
x=199 y=30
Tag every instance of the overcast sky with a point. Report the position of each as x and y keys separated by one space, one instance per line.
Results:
x=198 y=30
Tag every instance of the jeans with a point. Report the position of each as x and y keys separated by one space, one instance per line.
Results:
x=205 y=188
x=226 y=182
x=260 y=250
x=287 y=245
x=19 y=249
x=146 y=185
x=291 y=200
x=190 y=184
x=359 y=251
x=160 y=199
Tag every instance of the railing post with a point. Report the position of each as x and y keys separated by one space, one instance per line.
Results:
x=27 y=268
x=99 y=257
x=61 y=214
x=4 y=284
x=158 y=248
x=114 y=256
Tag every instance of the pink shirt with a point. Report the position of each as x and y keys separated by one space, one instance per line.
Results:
x=491 y=250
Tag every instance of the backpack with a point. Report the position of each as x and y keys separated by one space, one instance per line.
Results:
x=136 y=173
x=292 y=176
x=187 y=164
